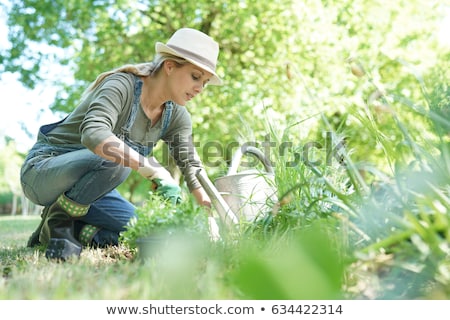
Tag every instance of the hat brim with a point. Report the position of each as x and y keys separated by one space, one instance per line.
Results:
x=162 y=48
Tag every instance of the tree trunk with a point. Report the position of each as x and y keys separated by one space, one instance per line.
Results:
x=24 y=201
x=14 y=205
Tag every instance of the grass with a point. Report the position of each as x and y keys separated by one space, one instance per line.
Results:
x=110 y=273
x=16 y=229
x=187 y=269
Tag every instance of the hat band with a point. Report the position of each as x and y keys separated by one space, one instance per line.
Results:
x=193 y=56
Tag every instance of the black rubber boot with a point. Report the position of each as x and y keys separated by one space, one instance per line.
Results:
x=34 y=238
x=57 y=229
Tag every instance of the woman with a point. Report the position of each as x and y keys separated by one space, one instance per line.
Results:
x=76 y=164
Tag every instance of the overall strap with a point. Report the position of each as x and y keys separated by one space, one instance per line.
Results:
x=134 y=108
x=166 y=117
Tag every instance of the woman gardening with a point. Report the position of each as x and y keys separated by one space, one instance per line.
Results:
x=76 y=164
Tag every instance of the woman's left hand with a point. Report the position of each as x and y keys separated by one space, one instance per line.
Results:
x=202 y=197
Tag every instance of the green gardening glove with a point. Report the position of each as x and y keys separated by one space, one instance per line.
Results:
x=168 y=190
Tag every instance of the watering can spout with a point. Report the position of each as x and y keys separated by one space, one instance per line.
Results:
x=223 y=209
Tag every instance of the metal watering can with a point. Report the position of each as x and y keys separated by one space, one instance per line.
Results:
x=242 y=196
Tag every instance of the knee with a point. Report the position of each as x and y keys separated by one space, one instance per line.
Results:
x=118 y=174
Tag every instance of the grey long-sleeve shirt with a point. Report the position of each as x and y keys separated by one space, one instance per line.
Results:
x=105 y=110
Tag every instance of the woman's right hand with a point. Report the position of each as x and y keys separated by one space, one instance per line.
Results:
x=167 y=190
x=152 y=170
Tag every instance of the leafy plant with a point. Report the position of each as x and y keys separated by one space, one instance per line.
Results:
x=160 y=217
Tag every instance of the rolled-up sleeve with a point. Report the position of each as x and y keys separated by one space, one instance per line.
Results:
x=179 y=139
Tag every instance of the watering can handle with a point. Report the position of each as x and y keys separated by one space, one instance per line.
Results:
x=252 y=150
x=224 y=210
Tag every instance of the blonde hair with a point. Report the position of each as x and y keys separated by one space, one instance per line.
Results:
x=142 y=69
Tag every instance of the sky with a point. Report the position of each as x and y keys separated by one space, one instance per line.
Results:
x=22 y=107
x=29 y=109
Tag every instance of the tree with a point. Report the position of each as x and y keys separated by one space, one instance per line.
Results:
x=282 y=62
x=10 y=163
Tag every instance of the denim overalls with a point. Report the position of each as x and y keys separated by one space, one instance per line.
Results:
x=50 y=170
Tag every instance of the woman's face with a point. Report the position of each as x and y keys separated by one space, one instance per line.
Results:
x=185 y=81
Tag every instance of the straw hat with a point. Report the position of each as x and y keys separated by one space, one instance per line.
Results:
x=196 y=47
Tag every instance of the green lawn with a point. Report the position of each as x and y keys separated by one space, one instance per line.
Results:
x=187 y=269
x=15 y=230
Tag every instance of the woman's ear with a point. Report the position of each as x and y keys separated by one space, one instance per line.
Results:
x=169 y=65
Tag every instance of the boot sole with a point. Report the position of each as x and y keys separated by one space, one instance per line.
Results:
x=62 y=249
